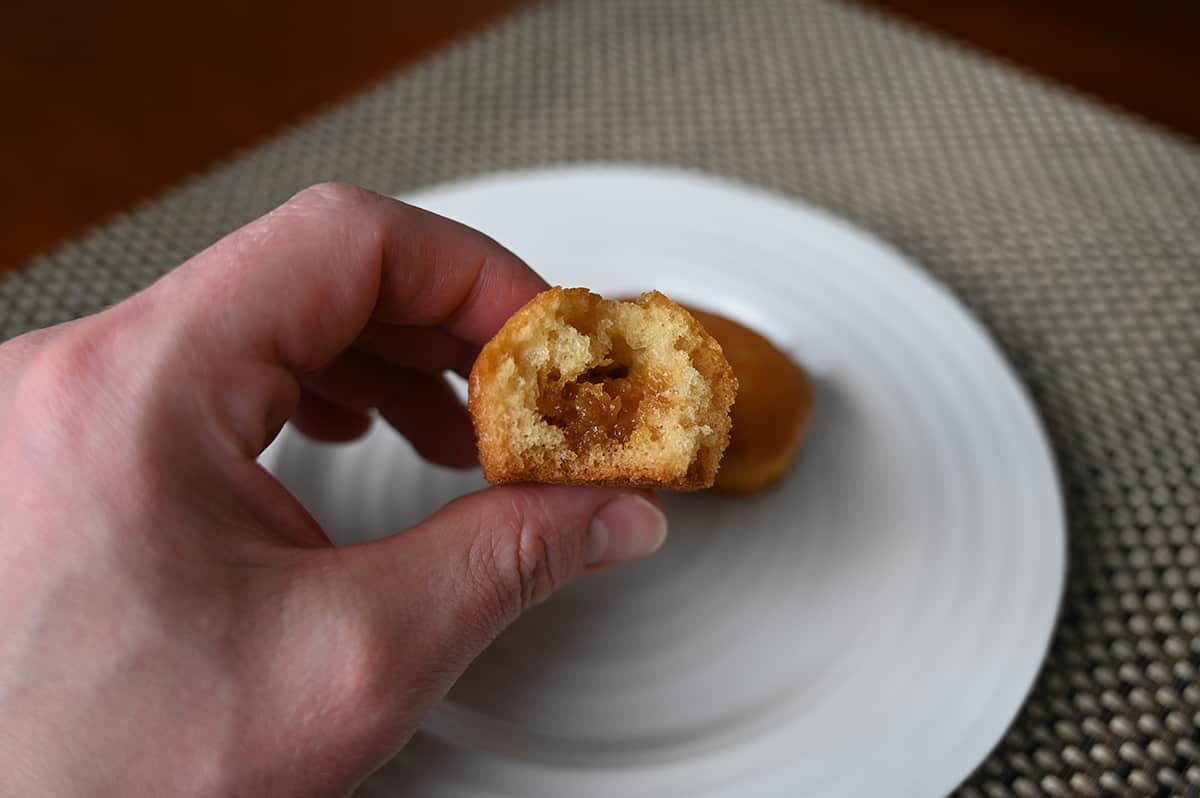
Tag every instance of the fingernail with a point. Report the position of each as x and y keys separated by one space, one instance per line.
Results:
x=627 y=528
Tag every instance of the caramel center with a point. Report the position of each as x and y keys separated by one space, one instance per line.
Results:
x=597 y=408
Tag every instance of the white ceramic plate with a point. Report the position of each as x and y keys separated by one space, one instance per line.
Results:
x=870 y=627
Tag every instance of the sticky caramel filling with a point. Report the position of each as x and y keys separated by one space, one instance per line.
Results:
x=597 y=408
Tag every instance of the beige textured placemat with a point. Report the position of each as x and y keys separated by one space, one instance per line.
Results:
x=1074 y=233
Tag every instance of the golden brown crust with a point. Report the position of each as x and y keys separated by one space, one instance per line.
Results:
x=577 y=389
x=773 y=407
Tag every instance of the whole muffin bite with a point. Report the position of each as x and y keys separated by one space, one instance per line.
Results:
x=578 y=389
x=775 y=401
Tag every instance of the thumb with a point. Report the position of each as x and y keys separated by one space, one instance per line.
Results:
x=472 y=568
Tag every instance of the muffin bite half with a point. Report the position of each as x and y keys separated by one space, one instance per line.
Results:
x=583 y=390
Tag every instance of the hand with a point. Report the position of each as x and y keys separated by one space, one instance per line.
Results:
x=171 y=620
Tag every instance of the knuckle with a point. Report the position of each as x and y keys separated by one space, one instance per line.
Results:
x=48 y=426
x=86 y=392
x=331 y=195
x=354 y=641
x=56 y=377
x=349 y=218
x=519 y=556
x=16 y=351
x=363 y=674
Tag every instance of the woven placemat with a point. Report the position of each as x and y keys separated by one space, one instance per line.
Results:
x=1073 y=232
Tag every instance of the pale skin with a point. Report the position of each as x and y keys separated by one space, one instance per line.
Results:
x=172 y=621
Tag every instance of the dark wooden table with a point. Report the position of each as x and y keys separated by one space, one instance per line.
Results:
x=107 y=104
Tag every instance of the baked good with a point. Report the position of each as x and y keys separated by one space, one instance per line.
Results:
x=774 y=403
x=578 y=389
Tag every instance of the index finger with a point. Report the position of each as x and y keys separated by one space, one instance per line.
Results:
x=297 y=286
x=283 y=296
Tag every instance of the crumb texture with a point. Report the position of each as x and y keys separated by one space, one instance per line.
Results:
x=584 y=390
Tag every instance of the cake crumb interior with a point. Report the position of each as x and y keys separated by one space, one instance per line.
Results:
x=600 y=405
